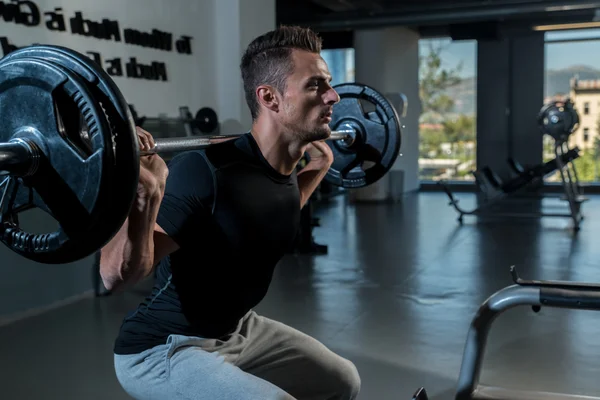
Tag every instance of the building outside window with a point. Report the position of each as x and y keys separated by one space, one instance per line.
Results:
x=572 y=70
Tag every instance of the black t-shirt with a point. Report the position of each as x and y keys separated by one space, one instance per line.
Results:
x=234 y=217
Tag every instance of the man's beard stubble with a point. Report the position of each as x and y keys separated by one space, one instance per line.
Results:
x=320 y=133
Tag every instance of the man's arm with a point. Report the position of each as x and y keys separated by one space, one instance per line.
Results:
x=162 y=226
x=309 y=178
x=133 y=253
x=140 y=244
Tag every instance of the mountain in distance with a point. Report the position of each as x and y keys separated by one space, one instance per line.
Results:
x=464 y=95
x=556 y=82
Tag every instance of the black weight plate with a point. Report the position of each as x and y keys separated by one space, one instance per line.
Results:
x=122 y=123
x=72 y=176
x=377 y=141
x=558 y=119
x=206 y=120
x=106 y=199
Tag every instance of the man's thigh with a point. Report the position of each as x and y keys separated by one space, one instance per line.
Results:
x=185 y=371
x=295 y=362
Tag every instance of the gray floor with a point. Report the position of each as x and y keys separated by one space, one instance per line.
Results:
x=395 y=294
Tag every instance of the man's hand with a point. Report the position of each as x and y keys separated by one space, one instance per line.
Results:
x=320 y=155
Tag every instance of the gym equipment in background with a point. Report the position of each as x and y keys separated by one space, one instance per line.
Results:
x=558 y=119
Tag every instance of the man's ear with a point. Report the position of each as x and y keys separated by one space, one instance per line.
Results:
x=267 y=96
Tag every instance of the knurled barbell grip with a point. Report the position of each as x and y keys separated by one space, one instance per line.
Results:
x=168 y=145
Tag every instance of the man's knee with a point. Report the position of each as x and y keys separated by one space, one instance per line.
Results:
x=347 y=379
x=338 y=374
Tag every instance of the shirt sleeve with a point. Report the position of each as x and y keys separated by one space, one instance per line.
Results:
x=188 y=199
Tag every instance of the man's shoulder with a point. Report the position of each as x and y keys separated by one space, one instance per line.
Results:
x=195 y=159
x=188 y=168
x=187 y=157
x=229 y=152
x=240 y=150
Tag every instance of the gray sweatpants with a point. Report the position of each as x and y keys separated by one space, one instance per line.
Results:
x=262 y=360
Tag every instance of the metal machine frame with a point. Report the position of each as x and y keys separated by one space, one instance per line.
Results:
x=557 y=294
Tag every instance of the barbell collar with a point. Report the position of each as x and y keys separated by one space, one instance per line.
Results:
x=177 y=144
x=19 y=157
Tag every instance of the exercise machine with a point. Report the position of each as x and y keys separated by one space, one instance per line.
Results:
x=558 y=119
x=526 y=180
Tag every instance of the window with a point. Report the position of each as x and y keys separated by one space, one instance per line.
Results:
x=447 y=80
x=340 y=63
x=572 y=59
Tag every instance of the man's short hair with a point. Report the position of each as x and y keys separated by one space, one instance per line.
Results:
x=268 y=59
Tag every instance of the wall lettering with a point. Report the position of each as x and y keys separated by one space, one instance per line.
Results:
x=155 y=40
x=27 y=13
x=55 y=21
x=106 y=29
x=20 y=12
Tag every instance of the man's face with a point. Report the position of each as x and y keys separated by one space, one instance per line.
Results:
x=309 y=98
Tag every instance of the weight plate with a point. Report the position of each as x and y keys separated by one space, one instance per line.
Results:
x=558 y=119
x=122 y=123
x=42 y=103
x=206 y=120
x=377 y=140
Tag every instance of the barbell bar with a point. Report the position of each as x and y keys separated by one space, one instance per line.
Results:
x=69 y=147
x=177 y=144
x=20 y=157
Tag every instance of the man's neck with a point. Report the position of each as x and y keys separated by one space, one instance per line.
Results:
x=280 y=151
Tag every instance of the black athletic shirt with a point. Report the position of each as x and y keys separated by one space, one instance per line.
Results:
x=234 y=217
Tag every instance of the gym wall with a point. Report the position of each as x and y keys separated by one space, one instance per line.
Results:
x=209 y=76
x=169 y=83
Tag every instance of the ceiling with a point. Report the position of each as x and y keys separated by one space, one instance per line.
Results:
x=434 y=17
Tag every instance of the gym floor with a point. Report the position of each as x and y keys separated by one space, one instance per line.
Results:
x=395 y=294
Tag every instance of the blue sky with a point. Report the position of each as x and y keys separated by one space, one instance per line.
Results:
x=558 y=55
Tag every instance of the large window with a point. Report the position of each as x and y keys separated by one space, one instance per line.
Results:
x=447 y=80
x=573 y=70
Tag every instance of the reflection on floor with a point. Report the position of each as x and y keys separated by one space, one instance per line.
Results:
x=396 y=294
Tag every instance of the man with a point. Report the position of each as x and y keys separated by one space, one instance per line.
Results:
x=214 y=230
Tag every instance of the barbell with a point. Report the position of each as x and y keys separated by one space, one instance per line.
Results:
x=69 y=147
x=177 y=144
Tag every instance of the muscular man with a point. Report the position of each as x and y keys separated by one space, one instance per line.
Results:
x=214 y=229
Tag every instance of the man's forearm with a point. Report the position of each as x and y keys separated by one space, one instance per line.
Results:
x=129 y=256
x=309 y=179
